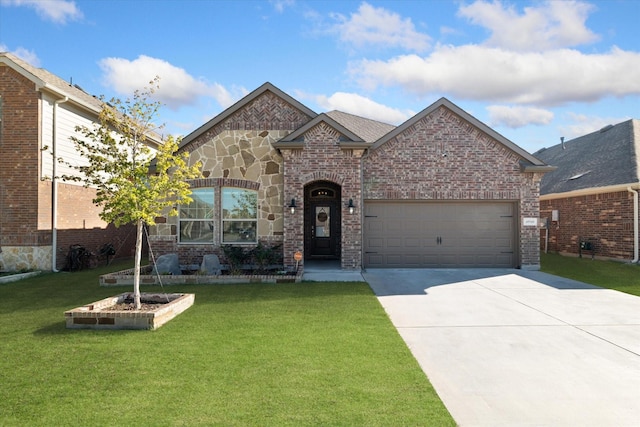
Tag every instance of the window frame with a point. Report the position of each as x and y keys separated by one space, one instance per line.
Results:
x=211 y=220
x=246 y=236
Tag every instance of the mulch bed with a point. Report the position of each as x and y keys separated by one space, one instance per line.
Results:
x=129 y=305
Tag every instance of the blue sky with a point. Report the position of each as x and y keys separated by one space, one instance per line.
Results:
x=532 y=70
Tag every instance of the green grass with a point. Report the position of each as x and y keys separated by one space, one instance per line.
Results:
x=607 y=274
x=268 y=355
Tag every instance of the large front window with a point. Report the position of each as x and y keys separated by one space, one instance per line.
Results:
x=239 y=215
x=197 y=218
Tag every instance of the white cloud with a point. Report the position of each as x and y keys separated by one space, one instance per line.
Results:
x=23 y=53
x=58 y=11
x=361 y=106
x=548 y=25
x=492 y=74
x=177 y=87
x=379 y=27
x=280 y=5
x=581 y=124
x=515 y=116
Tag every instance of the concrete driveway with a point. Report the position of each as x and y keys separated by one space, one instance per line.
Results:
x=519 y=348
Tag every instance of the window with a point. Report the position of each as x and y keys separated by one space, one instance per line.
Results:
x=196 y=219
x=239 y=215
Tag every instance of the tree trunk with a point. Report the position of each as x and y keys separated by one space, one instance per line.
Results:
x=136 y=270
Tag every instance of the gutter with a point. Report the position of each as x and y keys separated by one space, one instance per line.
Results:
x=54 y=187
x=588 y=191
x=635 y=224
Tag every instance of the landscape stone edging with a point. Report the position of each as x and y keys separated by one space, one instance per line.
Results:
x=19 y=276
x=125 y=277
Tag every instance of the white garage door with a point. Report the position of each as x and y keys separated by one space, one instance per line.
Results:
x=440 y=234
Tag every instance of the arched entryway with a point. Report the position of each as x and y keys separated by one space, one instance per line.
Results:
x=322 y=221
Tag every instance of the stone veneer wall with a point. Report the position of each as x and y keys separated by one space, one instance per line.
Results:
x=443 y=157
x=18 y=258
x=237 y=152
x=606 y=220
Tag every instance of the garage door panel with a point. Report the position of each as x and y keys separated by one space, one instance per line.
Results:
x=376 y=243
x=435 y=234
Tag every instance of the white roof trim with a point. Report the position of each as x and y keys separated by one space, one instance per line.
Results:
x=591 y=191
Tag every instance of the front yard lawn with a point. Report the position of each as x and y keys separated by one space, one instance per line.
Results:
x=286 y=354
x=620 y=276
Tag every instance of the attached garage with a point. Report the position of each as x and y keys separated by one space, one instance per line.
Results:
x=420 y=234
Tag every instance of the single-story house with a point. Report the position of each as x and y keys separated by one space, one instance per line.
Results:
x=440 y=190
x=590 y=202
x=41 y=216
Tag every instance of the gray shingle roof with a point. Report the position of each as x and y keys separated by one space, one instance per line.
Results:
x=603 y=158
x=367 y=129
x=55 y=83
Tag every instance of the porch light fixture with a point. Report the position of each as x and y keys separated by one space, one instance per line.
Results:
x=292 y=206
x=351 y=206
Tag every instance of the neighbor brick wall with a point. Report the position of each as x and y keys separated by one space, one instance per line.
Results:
x=443 y=157
x=25 y=200
x=19 y=156
x=122 y=238
x=79 y=222
x=604 y=219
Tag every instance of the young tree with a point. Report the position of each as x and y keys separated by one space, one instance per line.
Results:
x=134 y=184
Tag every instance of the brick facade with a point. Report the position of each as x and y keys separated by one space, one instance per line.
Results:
x=19 y=150
x=605 y=220
x=441 y=156
x=322 y=159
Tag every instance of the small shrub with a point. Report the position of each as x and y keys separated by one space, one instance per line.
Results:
x=264 y=256
x=236 y=257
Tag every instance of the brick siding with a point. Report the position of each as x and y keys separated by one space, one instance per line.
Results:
x=323 y=160
x=605 y=219
x=442 y=157
x=19 y=157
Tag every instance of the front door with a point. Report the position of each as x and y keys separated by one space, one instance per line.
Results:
x=322 y=221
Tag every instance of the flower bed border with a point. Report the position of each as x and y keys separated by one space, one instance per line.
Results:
x=125 y=277
x=93 y=316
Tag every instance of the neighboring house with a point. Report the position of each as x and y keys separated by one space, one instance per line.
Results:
x=40 y=216
x=592 y=196
x=440 y=190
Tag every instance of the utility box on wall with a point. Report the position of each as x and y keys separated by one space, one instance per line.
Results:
x=555 y=215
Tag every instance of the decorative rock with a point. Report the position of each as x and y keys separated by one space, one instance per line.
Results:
x=167 y=264
x=210 y=265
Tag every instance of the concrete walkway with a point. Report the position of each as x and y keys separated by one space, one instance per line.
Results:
x=329 y=271
x=519 y=348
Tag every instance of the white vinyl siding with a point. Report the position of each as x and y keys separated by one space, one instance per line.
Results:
x=67 y=118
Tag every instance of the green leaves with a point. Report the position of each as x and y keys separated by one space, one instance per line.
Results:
x=119 y=159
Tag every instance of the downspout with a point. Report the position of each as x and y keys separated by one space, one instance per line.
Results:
x=635 y=224
x=54 y=187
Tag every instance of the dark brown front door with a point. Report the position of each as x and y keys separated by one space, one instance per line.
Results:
x=322 y=221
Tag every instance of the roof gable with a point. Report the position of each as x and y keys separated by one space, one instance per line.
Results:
x=295 y=139
x=529 y=161
x=604 y=158
x=245 y=102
